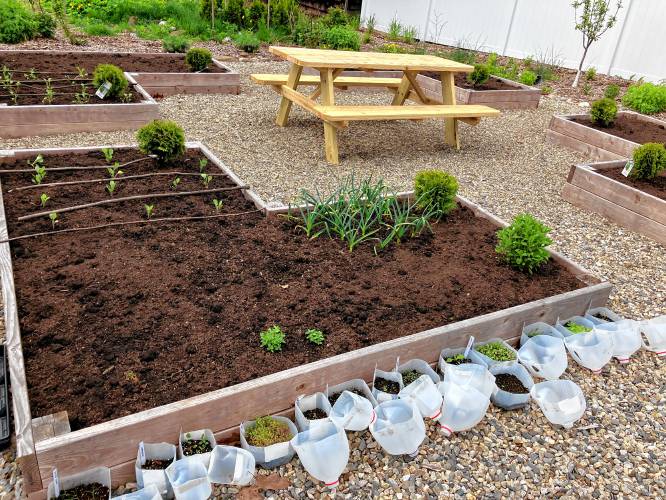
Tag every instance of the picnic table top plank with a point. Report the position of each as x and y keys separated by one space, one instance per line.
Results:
x=319 y=58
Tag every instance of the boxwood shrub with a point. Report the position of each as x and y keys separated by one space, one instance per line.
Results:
x=603 y=112
x=649 y=161
x=523 y=244
x=163 y=138
x=436 y=190
x=112 y=74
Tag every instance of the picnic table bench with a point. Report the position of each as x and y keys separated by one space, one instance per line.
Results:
x=331 y=64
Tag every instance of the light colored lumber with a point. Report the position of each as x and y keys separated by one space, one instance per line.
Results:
x=285 y=104
x=402 y=92
x=330 y=132
x=340 y=81
x=363 y=113
x=411 y=76
x=449 y=97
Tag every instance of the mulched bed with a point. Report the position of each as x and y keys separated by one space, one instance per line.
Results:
x=655 y=187
x=156 y=464
x=630 y=127
x=461 y=81
x=123 y=319
x=93 y=491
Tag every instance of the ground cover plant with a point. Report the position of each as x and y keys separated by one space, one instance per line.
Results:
x=410 y=376
x=648 y=98
x=496 y=351
x=576 y=328
x=267 y=431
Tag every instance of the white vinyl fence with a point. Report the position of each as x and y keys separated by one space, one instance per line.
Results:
x=635 y=46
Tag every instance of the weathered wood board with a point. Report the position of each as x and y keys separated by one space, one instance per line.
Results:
x=626 y=206
x=114 y=443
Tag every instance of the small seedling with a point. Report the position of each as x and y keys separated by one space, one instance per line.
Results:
x=111 y=187
x=83 y=96
x=272 y=339
x=205 y=179
x=149 y=210
x=132 y=377
x=126 y=97
x=54 y=218
x=175 y=182
x=203 y=162
x=82 y=72
x=315 y=336
x=40 y=169
x=496 y=351
x=410 y=376
x=49 y=92
x=195 y=447
x=114 y=171
x=267 y=431
x=457 y=358
x=217 y=204
x=587 y=89
x=575 y=328
x=43 y=198
x=108 y=154
x=31 y=75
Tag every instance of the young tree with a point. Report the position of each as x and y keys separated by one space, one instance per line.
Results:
x=593 y=19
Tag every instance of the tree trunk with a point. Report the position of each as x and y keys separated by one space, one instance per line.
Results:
x=580 y=68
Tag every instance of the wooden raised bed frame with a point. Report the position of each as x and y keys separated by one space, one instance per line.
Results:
x=626 y=206
x=596 y=144
x=114 y=443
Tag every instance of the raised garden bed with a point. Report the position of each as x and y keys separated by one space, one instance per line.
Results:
x=635 y=204
x=155 y=325
x=629 y=131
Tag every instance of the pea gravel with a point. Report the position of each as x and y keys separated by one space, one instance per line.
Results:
x=506 y=166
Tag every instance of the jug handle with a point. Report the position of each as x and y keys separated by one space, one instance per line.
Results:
x=644 y=338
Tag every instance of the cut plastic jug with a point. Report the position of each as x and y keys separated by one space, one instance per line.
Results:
x=592 y=350
x=189 y=479
x=356 y=384
x=477 y=357
x=512 y=400
x=654 y=335
x=271 y=456
x=420 y=366
x=352 y=412
x=449 y=353
x=594 y=314
x=626 y=338
x=424 y=394
x=150 y=492
x=544 y=356
x=579 y=320
x=324 y=452
x=471 y=375
x=207 y=434
x=561 y=401
x=147 y=477
x=316 y=401
x=539 y=329
x=463 y=408
x=382 y=396
x=398 y=427
x=101 y=475
x=231 y=465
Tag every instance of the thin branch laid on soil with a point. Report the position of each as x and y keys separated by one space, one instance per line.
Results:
x=107 y=179
x=61 y=169
x=128 y=223
x=128 y=198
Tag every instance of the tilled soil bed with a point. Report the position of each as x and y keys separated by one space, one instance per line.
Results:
x=631 y=127
x=461 y=81
x=122 y=319
x=655 y=187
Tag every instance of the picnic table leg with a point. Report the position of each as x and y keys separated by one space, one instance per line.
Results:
x=285 y=104
x=330 y=132
x=402 y=92
x=449 y=97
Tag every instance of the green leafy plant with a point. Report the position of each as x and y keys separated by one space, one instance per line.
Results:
x=111 y=187
x=255 y=15
x=456 y=359
x=175 y=44
x=40 y=170
x=205 y=179
x=528 y=77
x=114 y=171
x=480 y=75
x=149 y=210
x=523 y=244
x=603 y=112
x=648 y=98
x=546 y=89
x=649 y=161
x=341 y=38
x=267 y=431
x=335 y=16
x=30 y=75
x=394 y=30
x=108 y=154
x=175 y=182
x=82 y=97
x=315 y=336
x=162 y=138
x=217 y=204
x=410 y=376
x=46 y=25
x=436 y=191
x=203 y=163
x=195 y=446
x=247 y=42
x=409 y=34
x=81 y=72
x=49 y=93
x=391 y=48
x=612 y=91
x=17 y=23
x=112 y=74
x=576 y=328
x=496 y=351
x=53 y=216
x=43 y=198
x=272 y=339
x=198 y=59
x=591 y=73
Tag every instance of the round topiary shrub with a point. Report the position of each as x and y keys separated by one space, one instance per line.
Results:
x=480 y=74
x=46 y=25
x=112 y=74
x=198 y=59
x=163 y=138
x=649 y=161
x=523 y=244
x=435 y=190
x=604 y=112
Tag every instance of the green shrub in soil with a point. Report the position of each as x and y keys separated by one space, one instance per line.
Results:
x=480 y=74
x=46 y=25
x=176 y=44
x=17 y=23
x=267 y=431
x=612 y=91
x=523 y=244
x=247 y=42
x=112 y=74
x=460 y=55
x=436 y=191
x=576 y=328
x=528 y=77
x=391 y=48
x=163 y=138
x=198 y=59
x=647 y=98
x=496 y=351
x=315 y=336
x=649 y=161
x=272 y=339
x=255 y=15
x=603 y=112
x=233 y=12
x=341 y=38
x=284 y=14
x=335 y=17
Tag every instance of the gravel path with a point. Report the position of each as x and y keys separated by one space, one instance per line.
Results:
x=506 y=166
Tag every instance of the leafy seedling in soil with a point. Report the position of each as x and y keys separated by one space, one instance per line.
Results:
x=175 y=182
x=457 y=359
x=149 y=210
x=108 y=154
x=82 y=97
x=132 y=377
x=272 y=339
x=156 y=464
x=40 y=169
x=387 y=386
x=205 y=179
x=115 y=170
x=267 y=431
x=510 y=383
x=315 y=336
x=31 y=75
x=111 y=187
x=203 y=162
x=314 y=414
x=334 y=397
x=575 y=328
x=217 y=204
x=195 y=446
x=53 y=216
x=94 y=491
x=49 y=93
x=410 y=376
x=43 y=198
x=82 y=72
x=496 y=351
x=126 y=97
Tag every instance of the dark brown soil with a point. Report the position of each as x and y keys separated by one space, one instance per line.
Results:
x=632 y=127
x=602 y=317
x=196 y=446
x=458 y=361
x=410 y=376
x=315 y=414
x=94 y=491
x=510 y=383
x=387 y=386
x=334 y=397
x=655 y=187
x=461 y=81
x=139 y=316
x=156 y=464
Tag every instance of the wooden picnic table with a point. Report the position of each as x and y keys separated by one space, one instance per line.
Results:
x=331 y=63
